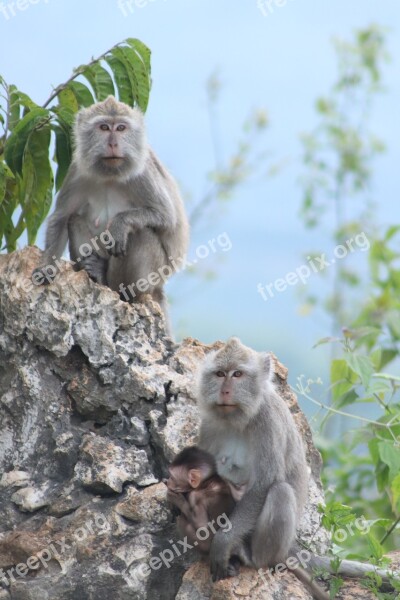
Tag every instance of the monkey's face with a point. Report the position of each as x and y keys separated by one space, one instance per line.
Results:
x=177 y=481
x=112 y=147
x=232 y=381
x=183 y=479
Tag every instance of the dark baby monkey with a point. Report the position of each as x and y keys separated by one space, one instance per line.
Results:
x=203 y=498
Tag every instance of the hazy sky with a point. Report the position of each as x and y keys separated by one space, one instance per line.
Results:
x=282 y=62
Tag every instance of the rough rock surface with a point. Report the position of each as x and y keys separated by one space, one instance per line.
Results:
x=95 y=399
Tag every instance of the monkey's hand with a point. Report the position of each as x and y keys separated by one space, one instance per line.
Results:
x=219 y=556
x=121 y=226
x=177 y=499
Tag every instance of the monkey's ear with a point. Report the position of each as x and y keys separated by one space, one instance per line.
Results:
x=267 y=365
x=195 y=477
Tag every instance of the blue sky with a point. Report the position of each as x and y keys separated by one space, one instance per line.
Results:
x=281 y=62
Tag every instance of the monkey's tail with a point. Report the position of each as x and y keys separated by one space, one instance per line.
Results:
x=312 y=586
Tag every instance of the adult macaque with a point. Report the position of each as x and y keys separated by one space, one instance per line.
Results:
x=199 y=493
x=119 y=208
x=241 y=409
x=245 y=422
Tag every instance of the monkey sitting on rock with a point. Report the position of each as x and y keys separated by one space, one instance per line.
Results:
x=241 y=409
x=245 y=422
x=118 y=208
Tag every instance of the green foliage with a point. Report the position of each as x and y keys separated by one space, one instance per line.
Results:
x=338 y=156
x=335 y=584
x=362 y=470
x=26 y=174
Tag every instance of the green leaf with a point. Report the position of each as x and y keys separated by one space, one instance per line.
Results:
x=393 y=321
x=82 y=94
x=391 y=232
x=66 y=110
x=387 y=357
x=63 y=153
x=122 y=76
x=390 y=455
x=342 y=378
x=335 y=585
x=15 y=145
x=395 y=488
x=5 y=174
x=376 y=550
x=380 y=387
x=67 y=99
x=37 y=181
x=143 y=51
x=376 y=358
x=140 y=76
x=100 y=80
x=349 y=398
x=361 y=365
x=17 y=100
x=326 y=340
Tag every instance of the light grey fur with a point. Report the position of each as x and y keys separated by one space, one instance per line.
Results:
x=132 y=196
x=267 y=515
x=260 y=437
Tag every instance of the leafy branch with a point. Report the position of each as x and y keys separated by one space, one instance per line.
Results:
x=26 y=173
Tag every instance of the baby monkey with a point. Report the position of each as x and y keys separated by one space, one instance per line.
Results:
x=206 y=490
x=203 y=498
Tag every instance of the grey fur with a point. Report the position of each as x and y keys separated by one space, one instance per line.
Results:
x=132 y=196
x=263 y=426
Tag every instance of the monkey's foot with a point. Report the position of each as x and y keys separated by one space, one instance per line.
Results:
x=96 y=268
x=234 y=566
x=243 y=554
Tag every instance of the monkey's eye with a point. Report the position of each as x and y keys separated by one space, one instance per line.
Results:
x=220 y=374
x=237 y=373
x=121 y=127
x=104 y=127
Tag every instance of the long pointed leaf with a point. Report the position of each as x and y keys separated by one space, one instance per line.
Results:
x=122 y=77
x=16 y=143
x=100 y=80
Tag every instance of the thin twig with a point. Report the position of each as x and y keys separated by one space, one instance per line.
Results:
x=302 y=392
x=392 y=528
x=76 y=74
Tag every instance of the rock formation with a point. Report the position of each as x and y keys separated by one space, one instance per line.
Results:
x=95 y=400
